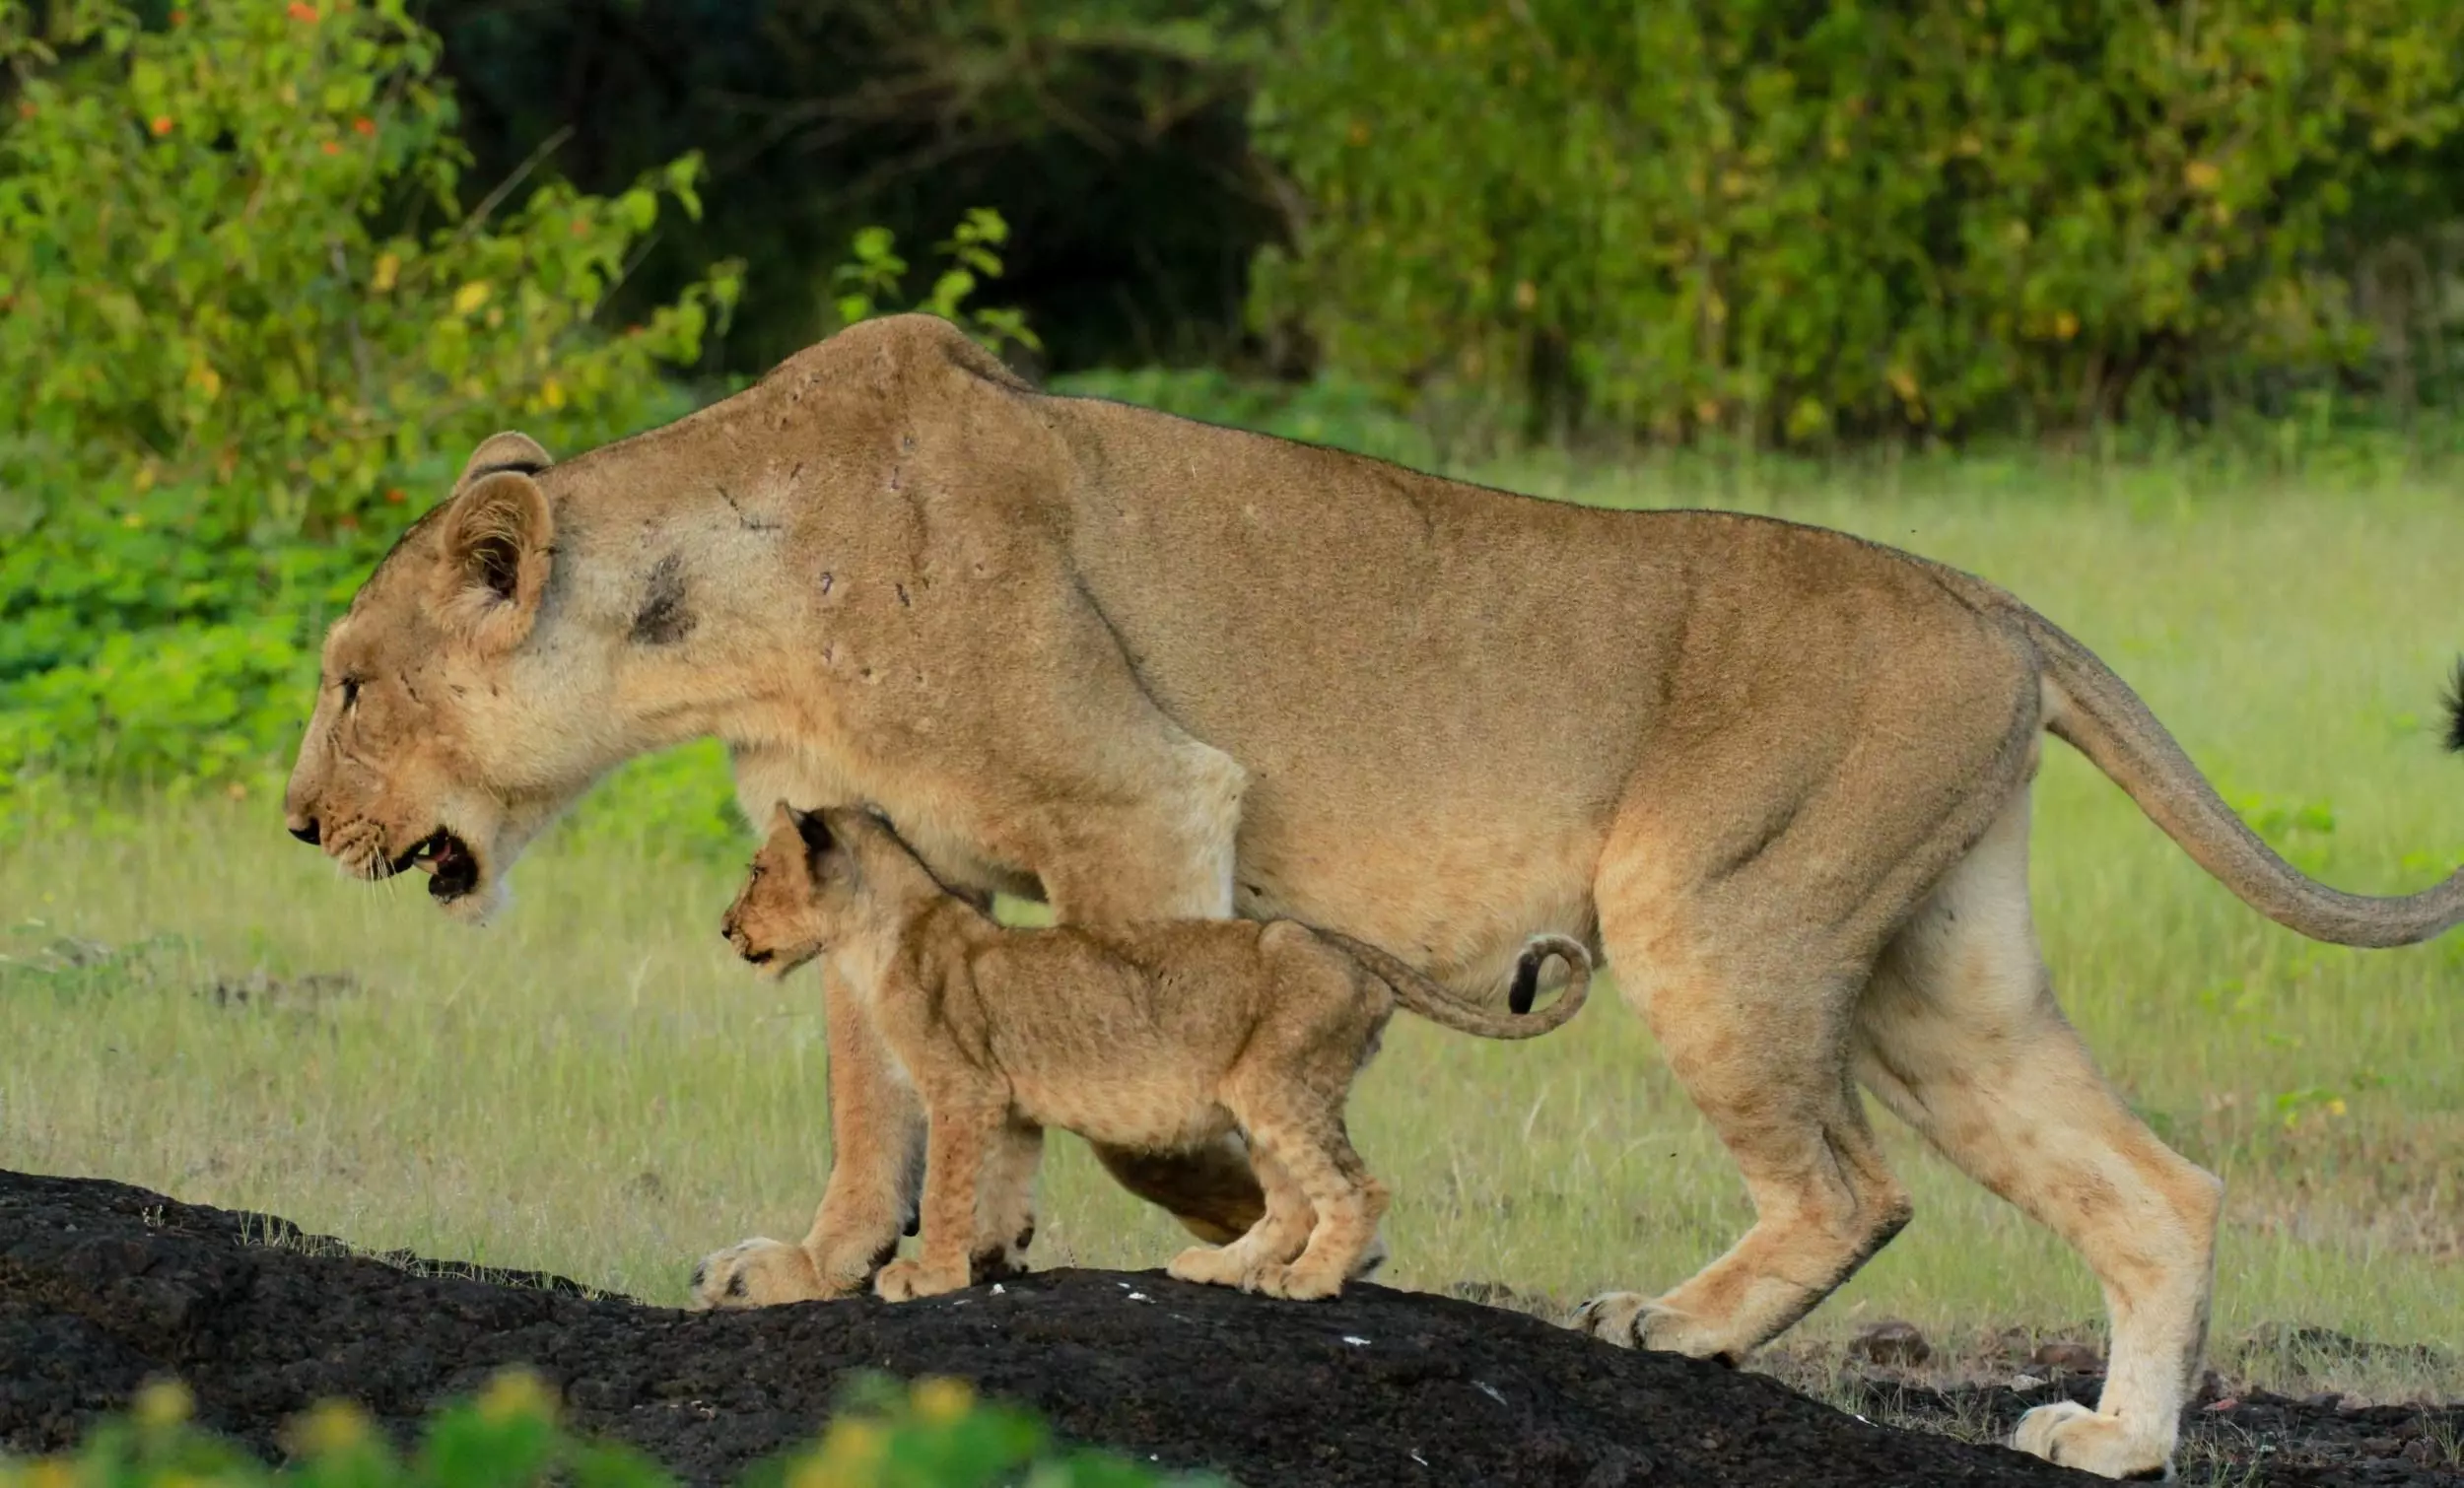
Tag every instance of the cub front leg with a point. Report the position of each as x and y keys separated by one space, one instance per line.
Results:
x=876 y=1125
x=963 y=1129
x=1005 y=1203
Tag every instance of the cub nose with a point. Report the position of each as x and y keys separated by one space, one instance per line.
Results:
x=306 y=832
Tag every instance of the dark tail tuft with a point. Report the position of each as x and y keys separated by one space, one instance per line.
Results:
x=2454 y=702
x=1526 y=975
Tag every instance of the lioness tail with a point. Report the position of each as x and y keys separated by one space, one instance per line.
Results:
x=2095 y=712
x=1448 y=1009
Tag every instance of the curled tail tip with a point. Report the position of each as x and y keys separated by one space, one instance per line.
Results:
x=1536 y=954
x=2453 y=701
x=1526 y=985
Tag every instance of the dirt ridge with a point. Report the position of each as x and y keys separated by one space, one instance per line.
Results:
x=103 y=1286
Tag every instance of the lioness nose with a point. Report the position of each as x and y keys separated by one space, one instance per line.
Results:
x=307 y=832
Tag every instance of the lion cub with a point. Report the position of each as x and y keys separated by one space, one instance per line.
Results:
x=1157 y=1037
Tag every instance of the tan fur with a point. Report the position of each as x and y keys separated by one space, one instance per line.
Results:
x=1152 y=1037
x=1148 y=668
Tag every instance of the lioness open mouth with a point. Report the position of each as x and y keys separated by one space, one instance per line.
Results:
x=453 y=870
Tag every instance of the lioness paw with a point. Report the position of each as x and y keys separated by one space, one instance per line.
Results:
x=758 y=1272
x=2069 y=1435
x=907 y=1280
x=1631 y=1320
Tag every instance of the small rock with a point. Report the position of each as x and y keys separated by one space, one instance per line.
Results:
x=2065 y=1358
x=1891 y=1342
x=2024 y=1382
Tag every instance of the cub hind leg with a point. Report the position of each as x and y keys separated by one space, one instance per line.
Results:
x=1279 y=1234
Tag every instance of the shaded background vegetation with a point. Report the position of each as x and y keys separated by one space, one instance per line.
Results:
x=267 y=270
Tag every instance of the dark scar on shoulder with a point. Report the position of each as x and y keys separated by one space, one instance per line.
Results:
x=663 y=619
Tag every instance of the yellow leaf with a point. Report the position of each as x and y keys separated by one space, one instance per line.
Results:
x=551 y=392
x=2336 y=1107
x=471 y=296
x=388 y=267
x=1903 y=382
x=2064 y=325
x=515 y=1394
x=2202 y=176
x=165 y=1403
x=939 y=1401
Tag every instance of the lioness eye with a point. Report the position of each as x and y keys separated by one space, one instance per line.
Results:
x=350 y=692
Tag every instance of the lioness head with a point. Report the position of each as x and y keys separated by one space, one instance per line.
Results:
x=451 y=715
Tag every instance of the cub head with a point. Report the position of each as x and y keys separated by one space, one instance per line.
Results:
x=803 y=898
x=455 y=716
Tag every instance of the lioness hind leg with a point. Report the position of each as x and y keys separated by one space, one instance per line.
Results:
x=1960 y=1036
x=1279 y=1234
x=1758 y=1049
x=1210 y=1189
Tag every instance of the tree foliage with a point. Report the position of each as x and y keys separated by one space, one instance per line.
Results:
x=234 y=260
x=1791 y=218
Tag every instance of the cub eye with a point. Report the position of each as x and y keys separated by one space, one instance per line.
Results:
x=350 y=692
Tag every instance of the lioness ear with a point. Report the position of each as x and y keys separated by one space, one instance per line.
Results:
x=509 y=450
x=496 y=539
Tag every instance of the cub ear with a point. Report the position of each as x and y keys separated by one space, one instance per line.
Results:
x=509 y=450
x=498 y=537
x=810 y=826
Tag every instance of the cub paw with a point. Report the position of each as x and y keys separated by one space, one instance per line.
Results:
x=1001 y=1261
x=2069 y=1435
x=756 y=1273
x=907 y=1280
x=1207 y=1265
x=1293 y=1283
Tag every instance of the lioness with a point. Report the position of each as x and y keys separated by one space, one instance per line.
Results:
x=1148 y=669
x=1152 y=1037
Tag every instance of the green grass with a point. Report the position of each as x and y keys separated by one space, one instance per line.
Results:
x=591 y=1086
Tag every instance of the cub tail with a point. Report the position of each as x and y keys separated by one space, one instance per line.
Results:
x=1450 y=1009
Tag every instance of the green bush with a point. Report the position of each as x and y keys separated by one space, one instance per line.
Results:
x=1790 y=219
x=1334 y=409
x=934 y=1434
x=242 y=321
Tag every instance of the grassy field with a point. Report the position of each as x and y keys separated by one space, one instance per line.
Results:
x=593 y=1087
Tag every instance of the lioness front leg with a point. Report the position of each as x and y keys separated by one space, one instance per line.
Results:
x=964 y=1124
x=876 y=1127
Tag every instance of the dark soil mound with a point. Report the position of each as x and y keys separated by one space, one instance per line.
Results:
x=2244 y=1436
x=102 y=1286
